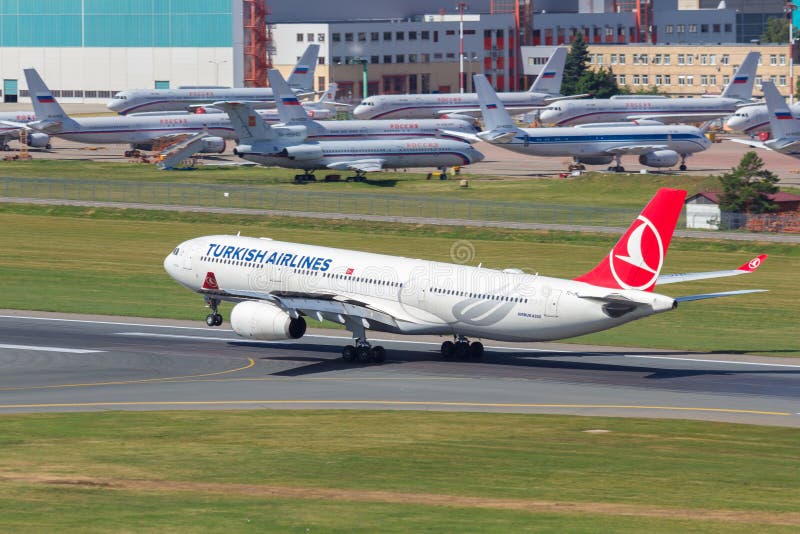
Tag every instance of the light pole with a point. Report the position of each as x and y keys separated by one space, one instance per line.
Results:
x=363 y=62
x=217 y=62
x=461 y=7
x=470 y=60
x=789 y=8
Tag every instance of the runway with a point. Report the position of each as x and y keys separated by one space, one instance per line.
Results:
x=54 y=363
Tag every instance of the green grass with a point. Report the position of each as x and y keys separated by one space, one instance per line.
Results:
x=108 y=261
x=684 y=466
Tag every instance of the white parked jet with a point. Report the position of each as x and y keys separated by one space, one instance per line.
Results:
x=656 y=144
x=754 y=119
x=464 y=105
x=186 y=98
x=785 y=129
x=13 y=122
x=286 y=146
x=275 y=284
x=292 y=113
x=662 y=109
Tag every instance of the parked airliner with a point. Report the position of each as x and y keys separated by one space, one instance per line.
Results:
x=754 y=119
x=660 y=108
x=275 y=284
x=292 y=113
x=785 y=129
x=286 y=146
x=12 y=122
x=656 y=144
x=187 y=98
x=464 y=105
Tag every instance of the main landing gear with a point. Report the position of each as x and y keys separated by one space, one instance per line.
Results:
x=213 y=318
x=460 y=348
x=617 y=167
x=304 y=178
x=361 y=351
x=683 y=162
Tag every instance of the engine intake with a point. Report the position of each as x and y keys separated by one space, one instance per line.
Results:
x=212 y=145
x=38 y=140
x=304 y=152
x=261 y=320
x=660 y=158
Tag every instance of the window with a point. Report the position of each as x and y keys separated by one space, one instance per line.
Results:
x=321 y=37
x=362 y=37
x=728 y=28
x=704 y=28
x=399 y=36
x=703 y=79
x=689 y=59
x=412 y=58
x=374 y=59
x=321 y=60
x=782 y=59
x=690 y=80
x=680 y=28
x=425 y=35
x=773 y=59
x=715 y=28
x=424 y=58
x=667 y=59
x=657 y=59
x=621 y=79
x=643 y=59
x=387 y=59
x=613 y=59
x=659 y=79
x=310 y=37
x=681 y=80
x=782 y=80
x=692 y=28
x=348 y=37
x=299 y=37
x=599 y=59
x=668 y=28
x=712 y=80
x=400 y=58
x=712 y=59
x=336 y=37
x=636 y=79
x=387 y=36
x=726 y=79
x=412 y=36
x=337 y=60
x=374 y=36
x=622 y=59
x=726 y=59
x=681 y=59
x=667 y=79
x=645 y=79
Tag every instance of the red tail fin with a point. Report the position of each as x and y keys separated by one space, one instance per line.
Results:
x=636 y=259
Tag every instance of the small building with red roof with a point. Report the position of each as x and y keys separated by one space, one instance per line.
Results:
x=702 y=212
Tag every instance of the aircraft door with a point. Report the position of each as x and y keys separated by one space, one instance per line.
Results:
x=188 y=253
x=551 y=305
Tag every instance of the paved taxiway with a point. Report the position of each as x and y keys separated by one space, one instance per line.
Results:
x=52 y=362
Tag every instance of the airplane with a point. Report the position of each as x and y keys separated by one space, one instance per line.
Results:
x=186 y=98
x=274 y=285
x=286 y=146
x=660 y=108
x=784 y=127
x=545 y=89
x=754 y=119
x=292 y=113
x=656 y=144
x=12 y=122
x=324 y=108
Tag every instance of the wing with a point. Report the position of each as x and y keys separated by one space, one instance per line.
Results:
x=679 y=117
x=363 y=165
x=551 y=99
x=636 y=149
x=747 y=268
x=464 y=136
x=476 y=112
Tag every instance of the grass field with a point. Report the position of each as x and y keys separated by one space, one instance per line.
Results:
x=346 y=471
x=110 y=262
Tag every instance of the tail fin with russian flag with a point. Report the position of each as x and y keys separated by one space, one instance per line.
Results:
x=549 y=80
x=498 y=123
x=289 y=108
x=741 y=86
x=44 y=104
x=636 y=260
x=302 y=77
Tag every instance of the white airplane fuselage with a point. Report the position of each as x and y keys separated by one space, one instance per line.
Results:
x=395 y=154
x=423 y=297
x=387 y=129
x=574 y=112
x=601 y=141
x=755 y=119
x=429 y=106
x=148 y=100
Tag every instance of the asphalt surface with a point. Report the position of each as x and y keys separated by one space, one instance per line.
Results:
x=57 y=362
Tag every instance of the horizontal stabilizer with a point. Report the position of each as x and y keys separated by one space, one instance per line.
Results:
x=498 y=135
x=464 y=136
x=705 y=296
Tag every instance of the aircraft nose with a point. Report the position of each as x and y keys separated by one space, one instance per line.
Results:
x=172 y=263
x=477 y=156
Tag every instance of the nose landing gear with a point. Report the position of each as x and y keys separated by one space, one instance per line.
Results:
x=213 y=318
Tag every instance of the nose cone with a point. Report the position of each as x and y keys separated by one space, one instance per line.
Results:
x=360 y=111
x=172 y=263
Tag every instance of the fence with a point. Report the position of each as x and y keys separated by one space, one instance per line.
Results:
x=272 y=198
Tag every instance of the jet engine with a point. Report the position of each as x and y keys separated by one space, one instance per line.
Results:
x=38 y=140
x=303 y=152
x=212 y=145
x=595 y=160
x=261 y=320
x=660 y=158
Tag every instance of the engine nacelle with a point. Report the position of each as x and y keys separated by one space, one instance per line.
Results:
x=660 y=158
x=38 y=140
x=261 y=320
x=596 y=160
x=304 y=152
x=212 y=145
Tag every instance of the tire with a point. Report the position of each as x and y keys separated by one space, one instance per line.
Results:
x=217 y=320
x=378 y=354
x=461 y=350
x=682 y=167
x=476 y=350
x=364 y=354
x=448 y=347
x=211 y=320
x=349 y=353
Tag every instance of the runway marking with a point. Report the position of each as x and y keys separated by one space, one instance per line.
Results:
x=49 y=349
x=250 y=363
x=394 y=403
x=711 y=361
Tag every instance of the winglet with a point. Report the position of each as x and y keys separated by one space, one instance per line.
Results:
x=753 y=264
x=637 y=258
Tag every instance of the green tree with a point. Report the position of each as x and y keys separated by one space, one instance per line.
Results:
x=777 y=31
x=576 y=64
x=745 y=188
x=600 y=83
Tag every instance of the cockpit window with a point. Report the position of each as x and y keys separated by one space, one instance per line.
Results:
x=176 y=251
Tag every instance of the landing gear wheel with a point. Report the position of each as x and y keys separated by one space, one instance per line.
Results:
x=378 y=354
x=213 y=319
x=461 y=350
x=682 y=167
x=48 y=146
x=448 y=347
x=349 y=353
x=217 y=319
x=476 y=350
x=363 y=354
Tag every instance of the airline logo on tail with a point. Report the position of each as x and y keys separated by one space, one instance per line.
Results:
x=641 y=253
x=550 y=74
x=46 y=99
x=740 y=79
x=783 y=115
